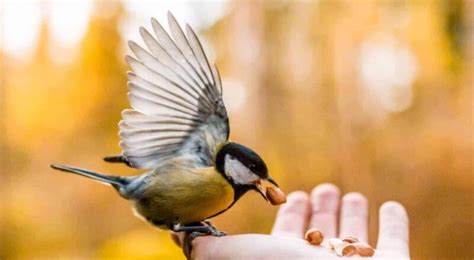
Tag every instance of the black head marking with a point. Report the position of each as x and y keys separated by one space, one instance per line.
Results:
x=247 y=157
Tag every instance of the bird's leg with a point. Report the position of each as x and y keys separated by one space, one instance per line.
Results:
x=194 y=230
x=198 y=229
x=207 y=222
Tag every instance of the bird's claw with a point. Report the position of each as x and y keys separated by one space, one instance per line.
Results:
x=191 y=235
x=217 y=233
x=213 y=230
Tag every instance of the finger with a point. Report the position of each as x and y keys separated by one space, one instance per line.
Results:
x=393 y=228
x=325 y=204
x=354 y=216
x=293 y=216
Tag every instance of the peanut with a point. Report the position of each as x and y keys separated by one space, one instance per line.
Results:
x=345 y=249
x=350 y=239
x=275 y=195
x=364 y=249
x=314 y=236
x=342 y=248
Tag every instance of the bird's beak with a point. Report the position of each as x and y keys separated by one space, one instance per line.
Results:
x=259 y=188
x=272 y=181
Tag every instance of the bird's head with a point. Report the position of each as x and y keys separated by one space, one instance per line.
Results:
x=243 y=167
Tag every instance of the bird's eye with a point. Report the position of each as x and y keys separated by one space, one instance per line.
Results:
x=252 y=167
x=231 y=157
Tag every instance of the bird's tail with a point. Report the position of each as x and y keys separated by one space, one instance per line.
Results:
x=116 y=181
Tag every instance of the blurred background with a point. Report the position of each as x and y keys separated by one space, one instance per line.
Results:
x=374 y=96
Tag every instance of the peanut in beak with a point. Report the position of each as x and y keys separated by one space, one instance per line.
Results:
x=275 y=195
x=272 y=194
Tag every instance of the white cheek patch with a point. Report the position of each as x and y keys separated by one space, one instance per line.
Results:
x=238 y=172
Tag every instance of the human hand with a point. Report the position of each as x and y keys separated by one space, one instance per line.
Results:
x=324 y=211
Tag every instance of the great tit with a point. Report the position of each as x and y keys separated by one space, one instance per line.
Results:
x=179 y=129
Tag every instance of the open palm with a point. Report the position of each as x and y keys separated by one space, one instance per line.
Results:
x=322 y=210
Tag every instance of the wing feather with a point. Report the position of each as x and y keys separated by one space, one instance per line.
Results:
x=199 y=53
x=188 y=51
x=176 y=100
x=148 y=86
x=172 y=63
x=183 y=43
x=147 y=74
x=156 y=97
x=217 y=77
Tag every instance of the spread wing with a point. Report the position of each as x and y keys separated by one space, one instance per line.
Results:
x=176 y=98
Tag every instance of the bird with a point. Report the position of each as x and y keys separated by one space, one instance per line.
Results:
x=178 y=130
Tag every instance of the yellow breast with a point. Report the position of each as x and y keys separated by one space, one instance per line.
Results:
x=186 y=197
